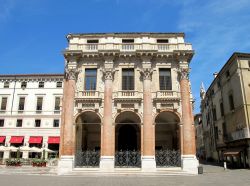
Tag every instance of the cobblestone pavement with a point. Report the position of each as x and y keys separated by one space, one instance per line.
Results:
x=213 y=175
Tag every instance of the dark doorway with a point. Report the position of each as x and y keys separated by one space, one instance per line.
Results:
x=127 y=137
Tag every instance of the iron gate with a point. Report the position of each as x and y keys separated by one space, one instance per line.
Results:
x=128 y=158
x=88 y=158
x=168 y=158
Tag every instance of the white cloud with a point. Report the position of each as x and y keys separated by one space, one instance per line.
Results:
x=216 y=30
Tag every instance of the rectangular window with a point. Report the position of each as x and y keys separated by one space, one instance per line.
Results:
x=1 y=122
x=165 y=79
x=39 y=104
x=128 y=41
x=37 y=123
x=4 y=103
x=221 y=108
x=6 y=84
x=214 y=114
x=41 y=84
x=128 y=79
x=216 y=133
x=21 y=103
x=58 y=84
x=227 y=74
x=162 y=40
x=23 y=84
x=19 y=123
x=249 y=64
x=231 y=102
x=90 y=79
x=92 y=41
x=57 y=104
x=224 y=128
x=56 y=123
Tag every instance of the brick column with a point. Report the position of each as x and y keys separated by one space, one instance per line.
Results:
x=67 y=142
x=189 y=161
x=107 y=148
x=148 y=154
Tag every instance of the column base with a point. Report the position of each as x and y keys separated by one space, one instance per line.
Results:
x=107 y=163
x=148 y=164
x=189 y=163
x=65 y=165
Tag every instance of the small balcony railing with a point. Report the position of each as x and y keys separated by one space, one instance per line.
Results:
x=88 y=94
x=166 y=93
x=128 y=93
x=237 y=135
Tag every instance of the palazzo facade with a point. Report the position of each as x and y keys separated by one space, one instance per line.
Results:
x=127 y=93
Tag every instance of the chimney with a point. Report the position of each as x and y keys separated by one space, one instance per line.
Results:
x=215 y=74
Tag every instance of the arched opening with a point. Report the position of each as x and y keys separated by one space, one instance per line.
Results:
x=127 y=140
x=167 y=139
x=88 y=139
x=127 y=131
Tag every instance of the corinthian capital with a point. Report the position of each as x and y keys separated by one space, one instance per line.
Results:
x=184 y=73
x=108 y=73
x=147 y=73
x=71 y=73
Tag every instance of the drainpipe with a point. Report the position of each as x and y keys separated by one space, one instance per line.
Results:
x=13 y=97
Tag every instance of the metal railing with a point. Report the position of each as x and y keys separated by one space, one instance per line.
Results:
x=168 y=158
x=88 y=158
x=128 y=158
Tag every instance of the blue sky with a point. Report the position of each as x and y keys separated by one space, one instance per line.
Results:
x=32 y=32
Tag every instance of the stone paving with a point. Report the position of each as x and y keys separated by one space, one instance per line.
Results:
x=213 y=175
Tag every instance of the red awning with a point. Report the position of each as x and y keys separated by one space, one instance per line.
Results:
x=54 y=140
x=16 y=139
x=2 y=138
x=35 y=139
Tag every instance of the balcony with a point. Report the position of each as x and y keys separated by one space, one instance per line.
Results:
x=122 y=47
x=88 y=99
x=166 y=99
x=87 y=94
x=167 y=94
x=238 y=135
x=127 y=99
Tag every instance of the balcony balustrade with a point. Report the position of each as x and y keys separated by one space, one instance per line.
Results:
x=238 y=135
x=130 y=47
x=87 y=94
x=128 y=94
x=167 y=94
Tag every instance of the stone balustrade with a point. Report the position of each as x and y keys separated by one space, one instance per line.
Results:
x=95 y=47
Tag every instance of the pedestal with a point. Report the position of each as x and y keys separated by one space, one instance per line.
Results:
x=65 y=165
x=107 y=163
x=189 y=163
x=25 y=155
x=6 y=155
x=148 y=164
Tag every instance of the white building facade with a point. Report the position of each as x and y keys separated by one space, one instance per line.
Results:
x=127 y=92
x=30 y=111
